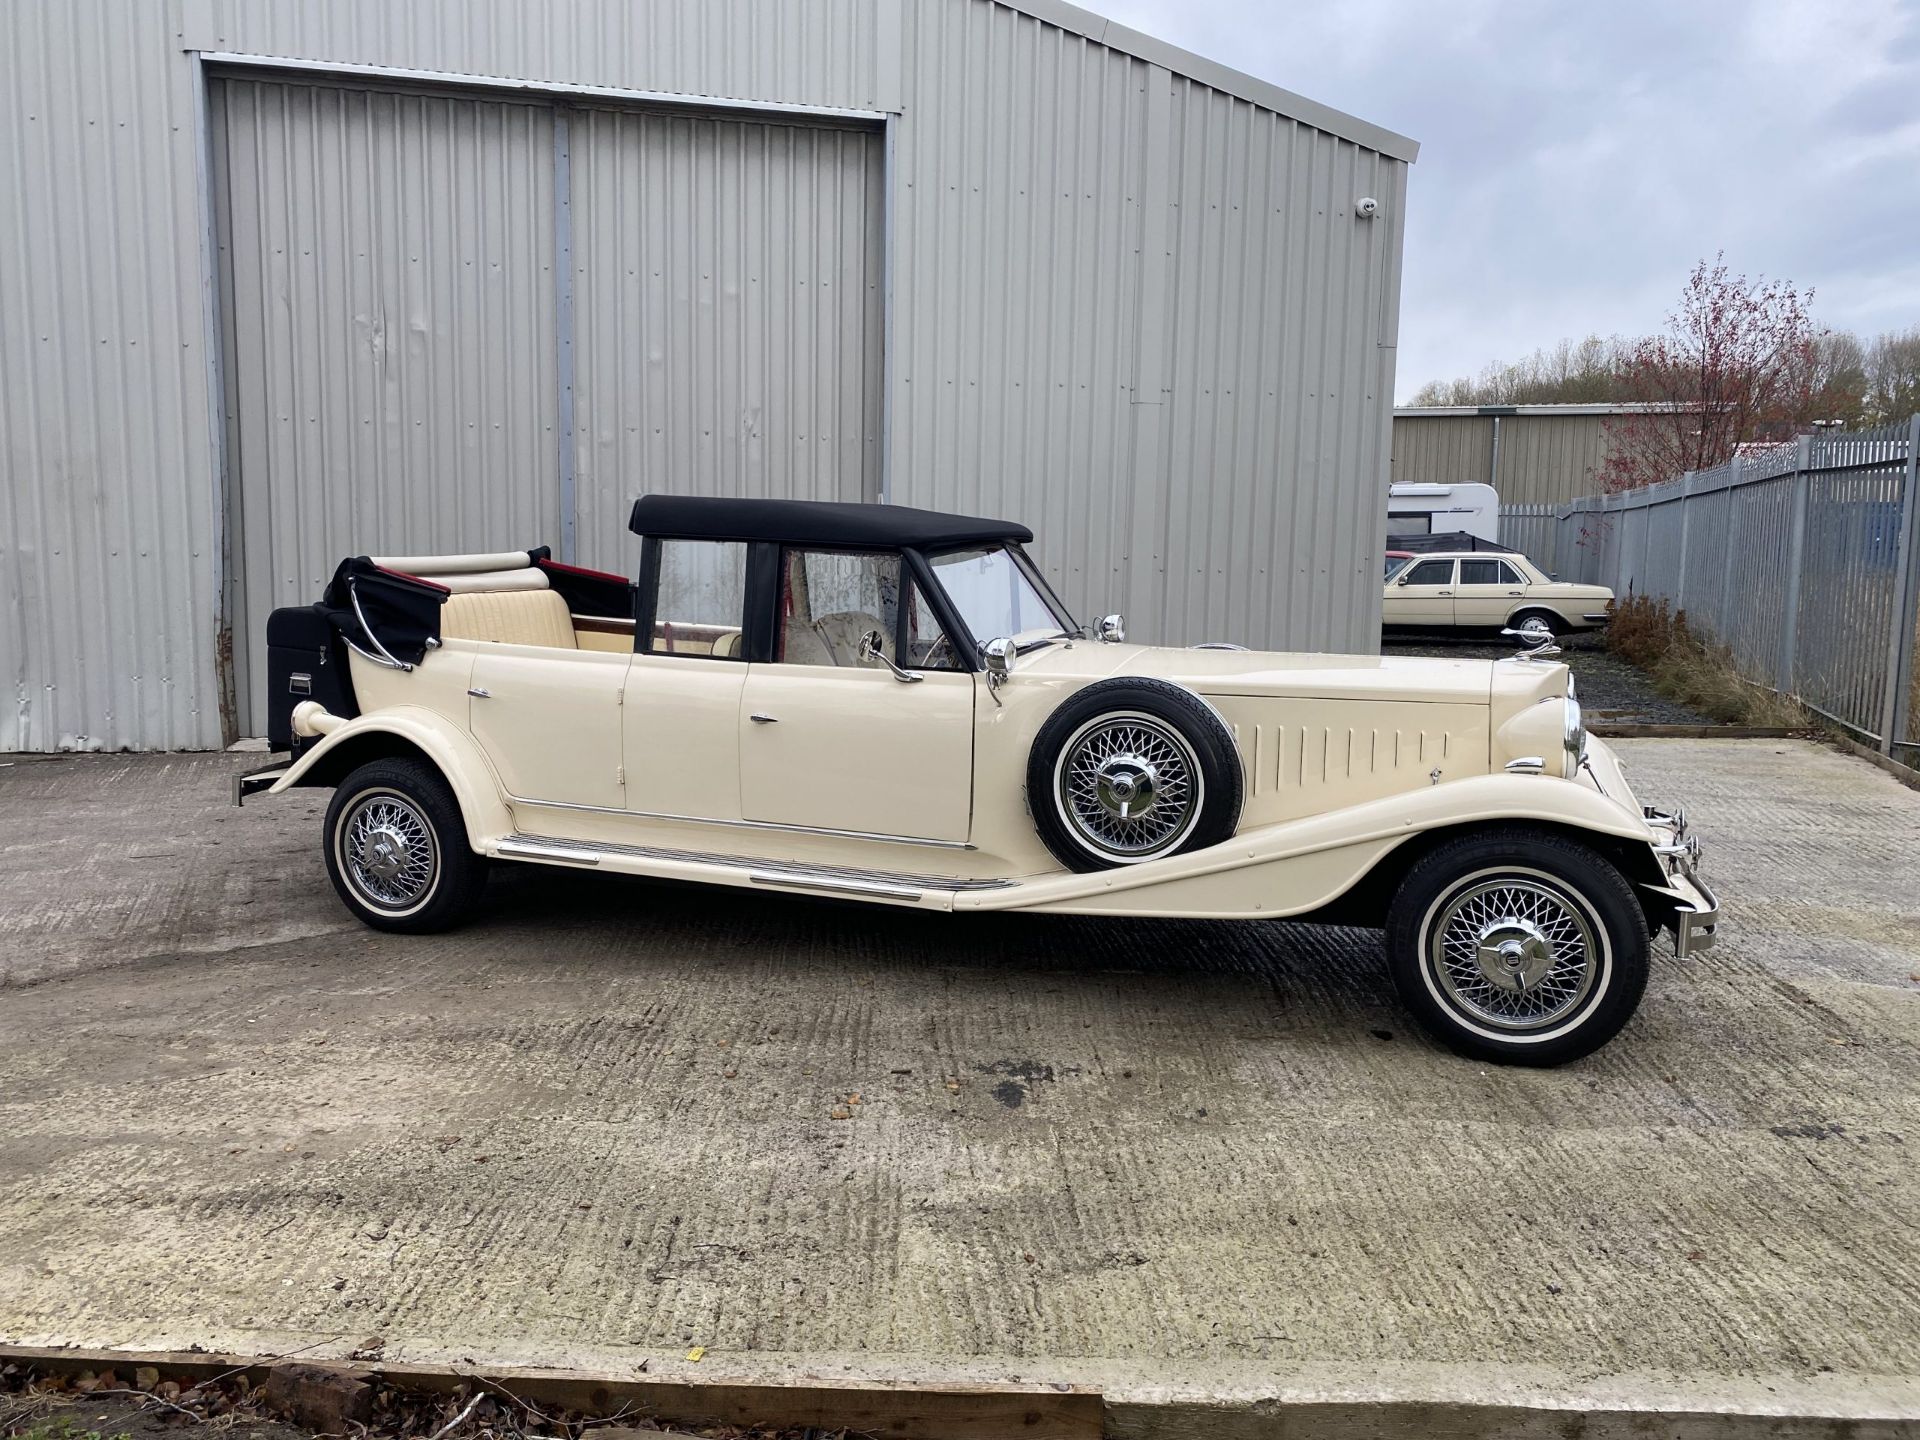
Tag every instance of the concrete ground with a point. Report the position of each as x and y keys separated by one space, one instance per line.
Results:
x=1196 y=1160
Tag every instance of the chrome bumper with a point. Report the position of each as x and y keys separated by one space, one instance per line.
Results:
x=1696 y=909
x=252 y=782
x=1595 y=617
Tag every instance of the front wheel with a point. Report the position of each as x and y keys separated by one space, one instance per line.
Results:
x=397 y=849
x=1521 y=947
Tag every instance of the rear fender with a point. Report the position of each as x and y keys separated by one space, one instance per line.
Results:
x=1305 y=865
x=451 y=751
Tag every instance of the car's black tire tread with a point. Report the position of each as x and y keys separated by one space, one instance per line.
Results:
x=1574 y=864
x=463 y=874
x=1198 y=721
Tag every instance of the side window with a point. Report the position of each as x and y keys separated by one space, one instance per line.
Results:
x=701 y=599
x=829 y=599
x=1511 y=576
x=1481 y=572
x=1431 y=572
x=927 y=646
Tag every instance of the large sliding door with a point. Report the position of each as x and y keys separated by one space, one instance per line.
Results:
x=389 y=349
x=464 y=323
x=727 y=312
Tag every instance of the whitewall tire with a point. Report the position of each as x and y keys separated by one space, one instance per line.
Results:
x=1518 y=946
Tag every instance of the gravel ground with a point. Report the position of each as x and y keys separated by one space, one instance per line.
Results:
x=1610 y=689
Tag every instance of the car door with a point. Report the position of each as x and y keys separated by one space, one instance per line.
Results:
x=546 y=713
x=1422 y=594
x=1488 y=590
x=830 y=737
x=681 y=717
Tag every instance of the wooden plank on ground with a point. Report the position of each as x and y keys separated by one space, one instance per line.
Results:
x=896 y=1410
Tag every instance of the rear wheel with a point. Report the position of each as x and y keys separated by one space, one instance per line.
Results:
x=1538 y=625
x=397 y=849
x=1518 y=946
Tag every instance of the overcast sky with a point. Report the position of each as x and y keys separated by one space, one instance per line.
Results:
x=1577 y=159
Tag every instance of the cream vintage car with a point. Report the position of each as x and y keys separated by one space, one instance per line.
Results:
x=1492 y=590
x=893 y=706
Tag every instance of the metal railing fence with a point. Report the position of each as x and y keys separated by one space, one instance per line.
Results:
x=1803 y=560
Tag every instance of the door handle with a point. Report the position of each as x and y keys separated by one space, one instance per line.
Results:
x=480 y=694
x=1516 y=594
x=1446 y=592
x=764 y=719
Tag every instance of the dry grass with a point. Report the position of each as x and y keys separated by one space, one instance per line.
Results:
x=1695 y=670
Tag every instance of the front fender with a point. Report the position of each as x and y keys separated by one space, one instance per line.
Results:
x=1303 y=865
x=451 y=750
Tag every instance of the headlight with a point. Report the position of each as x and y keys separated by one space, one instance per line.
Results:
x=1574 y=736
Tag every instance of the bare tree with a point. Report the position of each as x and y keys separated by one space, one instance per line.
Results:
x=1892 y=388
x=1737 y=364
x=1574 y=372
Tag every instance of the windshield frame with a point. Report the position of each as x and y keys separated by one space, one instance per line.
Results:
x=955 y=619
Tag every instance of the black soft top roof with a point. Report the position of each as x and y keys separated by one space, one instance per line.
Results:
x=814 y=522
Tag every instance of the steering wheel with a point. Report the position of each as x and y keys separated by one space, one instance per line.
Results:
x=840 y=632
x=940 y=655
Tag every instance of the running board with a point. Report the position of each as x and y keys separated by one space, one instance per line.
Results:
x=786 y=874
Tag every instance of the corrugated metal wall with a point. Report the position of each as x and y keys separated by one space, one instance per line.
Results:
x=387 y=262
x=110 y=561
x=1544 y=459
x=1442 y=450
x=1156 y=331
x=841 y=53
x=728 y=314
x=1133 y=309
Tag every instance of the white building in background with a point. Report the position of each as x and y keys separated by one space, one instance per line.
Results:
x=290 y=281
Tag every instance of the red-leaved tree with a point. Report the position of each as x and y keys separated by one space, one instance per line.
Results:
x=1740 y=362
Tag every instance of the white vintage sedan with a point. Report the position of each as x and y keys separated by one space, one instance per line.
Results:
x=1479 y=589
x=893 y=706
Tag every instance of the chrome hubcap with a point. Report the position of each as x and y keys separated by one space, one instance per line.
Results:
x=1513 y=953
x=1130 y=786
x=1534 y=625
x=387 y=851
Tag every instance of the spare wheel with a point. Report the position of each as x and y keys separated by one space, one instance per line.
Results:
x=1132 y=769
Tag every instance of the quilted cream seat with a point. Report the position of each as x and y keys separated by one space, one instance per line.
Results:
x=509 y=617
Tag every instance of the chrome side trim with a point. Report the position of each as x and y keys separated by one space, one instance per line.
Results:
x=740 y=824
x=761 y=871
x=836 y=887
x=517 y=845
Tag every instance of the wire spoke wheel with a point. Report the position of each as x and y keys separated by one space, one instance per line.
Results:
x=1513 y=953
x=1129 y=785
x=388 y=851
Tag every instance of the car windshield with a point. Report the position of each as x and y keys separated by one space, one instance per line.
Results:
x=1394 y=562
x=995 y=596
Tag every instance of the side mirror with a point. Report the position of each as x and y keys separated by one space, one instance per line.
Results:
x=1401 y=581
x=872 y=647
x=1112 y=629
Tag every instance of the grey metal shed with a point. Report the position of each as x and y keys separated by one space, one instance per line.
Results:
x=292 y=281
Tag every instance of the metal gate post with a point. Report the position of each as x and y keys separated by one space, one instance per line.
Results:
x=1686 y=513
x=1784 y=664
x=1894 y=714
